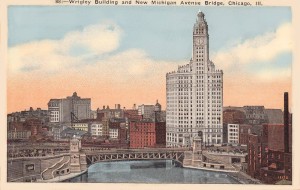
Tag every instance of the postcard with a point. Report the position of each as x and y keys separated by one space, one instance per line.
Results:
x=149 y=94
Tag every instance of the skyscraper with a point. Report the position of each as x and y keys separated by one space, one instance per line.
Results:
x=195 y=95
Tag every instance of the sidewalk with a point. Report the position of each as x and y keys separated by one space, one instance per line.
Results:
x=62 y=178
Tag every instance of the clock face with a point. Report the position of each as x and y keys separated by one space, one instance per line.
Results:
x=199 y=41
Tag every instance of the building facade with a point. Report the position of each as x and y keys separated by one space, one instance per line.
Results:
x=96 y=129
x=147 y=134
x=132 y=115
x=113 y=132
x=195 y=95
x=233 y=133
x=142 y=134
x=233 y=116
x=69 y=109
x=147 y=111
x=256 y=155
x=56 y=131
x=244 y=132
x=255 y=115
x=22 y=116
x=123 y=133
x=18 y=135
x=274 y=136
x=107 y=113
x=80 y=126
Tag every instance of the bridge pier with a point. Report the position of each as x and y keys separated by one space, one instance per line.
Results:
x=209 y=160
x=78 y=161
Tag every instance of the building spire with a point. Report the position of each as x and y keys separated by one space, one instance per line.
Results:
x=200 y=16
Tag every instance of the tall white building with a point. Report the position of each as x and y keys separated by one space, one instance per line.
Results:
x=233 y=133
x=195 y=95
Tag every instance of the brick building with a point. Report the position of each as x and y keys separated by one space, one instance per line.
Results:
x=15 y=125
x=142 y=134
x=256 y=155
x=132 y=114
x=278 y=161
x=255 y=115
x=233 y=116
x=274 y=171
x=24 y=130
x=122 y=136
x=244 y=132
x=279 y=167
x=274 y=116
x=270 y=155
x=160 y=133
x=274 y=136
x=108 y=113
x=147 y=134
x=34 y=125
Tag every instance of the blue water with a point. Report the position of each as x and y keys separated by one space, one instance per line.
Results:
x=150 y=171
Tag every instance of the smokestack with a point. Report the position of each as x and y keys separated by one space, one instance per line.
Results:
x=286 y=122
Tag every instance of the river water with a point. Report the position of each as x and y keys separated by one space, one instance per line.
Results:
x=150 y=171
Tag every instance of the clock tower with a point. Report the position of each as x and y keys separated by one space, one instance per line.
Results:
x=195 y=96
x=200 y=40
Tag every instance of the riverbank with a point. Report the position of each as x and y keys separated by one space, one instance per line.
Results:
x=210 y=169
x=239 y=176
x=63 y=178
x=244 y=178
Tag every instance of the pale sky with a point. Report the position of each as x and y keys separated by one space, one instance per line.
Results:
x=122 y=54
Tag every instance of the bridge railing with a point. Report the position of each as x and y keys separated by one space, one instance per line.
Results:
x=38 y=157
x=34 y=154
x=227 y=153
x=85 y=149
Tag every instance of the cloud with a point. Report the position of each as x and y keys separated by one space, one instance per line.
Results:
x=135 y=62
x=96 y=69
x=95 y=39
x=275 y=74
x=263 y=48
x=51 y=56
x=88 y=55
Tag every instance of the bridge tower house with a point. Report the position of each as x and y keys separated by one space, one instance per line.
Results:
x=78 y=160
x=197 y=149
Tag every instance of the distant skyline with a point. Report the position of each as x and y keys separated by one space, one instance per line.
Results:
x=120 y=55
